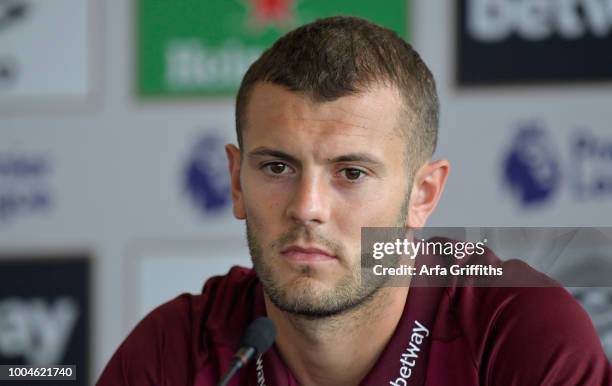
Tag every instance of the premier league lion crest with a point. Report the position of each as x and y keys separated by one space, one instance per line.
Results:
x=531 y=168
x=206 y=176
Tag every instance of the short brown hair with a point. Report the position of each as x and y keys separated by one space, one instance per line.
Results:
x=338 y=56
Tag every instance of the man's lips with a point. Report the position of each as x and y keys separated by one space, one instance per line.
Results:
x=307 y=254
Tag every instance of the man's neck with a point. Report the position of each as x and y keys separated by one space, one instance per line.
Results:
x=342 y=349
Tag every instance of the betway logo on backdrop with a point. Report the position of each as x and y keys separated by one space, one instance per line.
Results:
x=45 y=306
x=504 y=41
x=536 y=171
x=195 y=47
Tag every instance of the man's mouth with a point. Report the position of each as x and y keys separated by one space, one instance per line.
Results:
x=307 y=254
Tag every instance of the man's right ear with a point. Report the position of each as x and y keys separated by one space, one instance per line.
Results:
x=233 y=158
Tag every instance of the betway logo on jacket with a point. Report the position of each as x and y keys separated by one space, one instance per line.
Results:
x=410 y=356
x=503 y=41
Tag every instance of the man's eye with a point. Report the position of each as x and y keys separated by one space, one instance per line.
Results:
x=276 y=168
x=352 y=174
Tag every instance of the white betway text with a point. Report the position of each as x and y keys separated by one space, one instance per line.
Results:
x=410 y=356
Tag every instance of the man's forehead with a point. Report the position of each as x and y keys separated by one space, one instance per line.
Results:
x=374 y=112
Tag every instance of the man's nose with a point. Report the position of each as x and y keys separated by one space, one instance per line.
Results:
x=310 y=204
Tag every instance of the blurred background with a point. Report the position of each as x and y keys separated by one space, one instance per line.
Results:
x=114 y=194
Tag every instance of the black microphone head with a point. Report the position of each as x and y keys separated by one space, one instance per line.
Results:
x=260 y=335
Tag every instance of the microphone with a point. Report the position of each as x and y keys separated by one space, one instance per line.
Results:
x=257 y=338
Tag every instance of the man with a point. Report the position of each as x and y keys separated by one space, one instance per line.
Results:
x=336 y=124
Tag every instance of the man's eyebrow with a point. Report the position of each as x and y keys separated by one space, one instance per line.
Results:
x=266 y=152
x=358 y=157
x=352 y=157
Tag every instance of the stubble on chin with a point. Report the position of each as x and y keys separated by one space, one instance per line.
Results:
x=304 y=294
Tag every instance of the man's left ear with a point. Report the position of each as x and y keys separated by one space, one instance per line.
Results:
x=427 y=187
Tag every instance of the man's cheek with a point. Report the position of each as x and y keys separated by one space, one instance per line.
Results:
x=261 y=225
x=262 y=198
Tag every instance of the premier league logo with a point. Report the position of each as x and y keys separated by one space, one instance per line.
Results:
x=531 y=168
x=206 y=177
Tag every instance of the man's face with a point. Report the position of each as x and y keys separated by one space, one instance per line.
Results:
x=311 y=176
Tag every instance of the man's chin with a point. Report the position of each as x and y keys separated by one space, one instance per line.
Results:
x=311 y=298
x=300 y=295
x=305 y=288
x=304 y=306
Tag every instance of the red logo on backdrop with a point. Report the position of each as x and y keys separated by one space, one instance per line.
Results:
x=275 y=13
